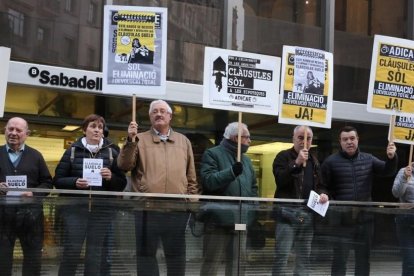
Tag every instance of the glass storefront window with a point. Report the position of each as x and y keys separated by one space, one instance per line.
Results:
x=120 y=218
x=271 y=24
x=356 y=22
x=69 y=33
x=72 y=38
x=192 y=25
x=48 y=111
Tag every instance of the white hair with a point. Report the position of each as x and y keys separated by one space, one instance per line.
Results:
x=169 y=110
x=298 y=127
x=232 y=129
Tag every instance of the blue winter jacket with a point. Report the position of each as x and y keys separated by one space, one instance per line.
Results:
x=350 y=177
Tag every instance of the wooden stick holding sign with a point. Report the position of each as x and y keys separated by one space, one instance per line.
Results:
x=392 y=123
x=305 y=141
x=410 y=158
x=239 y=138
x=134 y=107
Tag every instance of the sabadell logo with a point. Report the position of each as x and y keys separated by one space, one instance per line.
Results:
x=45 y=77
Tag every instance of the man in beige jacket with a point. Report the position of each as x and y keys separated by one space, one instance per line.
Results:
x=161 y=161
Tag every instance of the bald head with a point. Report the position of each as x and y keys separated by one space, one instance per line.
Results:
x=16 y=132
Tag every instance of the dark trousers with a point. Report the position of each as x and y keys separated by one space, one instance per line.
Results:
x=405 y=233
x=219 y=245
x=108 y=245
x=167 y=227
x=80 y=223
x=358 y=236
x=25 y=223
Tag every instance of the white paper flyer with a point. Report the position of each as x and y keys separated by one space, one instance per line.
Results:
x=92 y=171
x=315 y=205
x=17 y=182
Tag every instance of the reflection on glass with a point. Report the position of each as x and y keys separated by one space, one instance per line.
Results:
x=356 y=22
x=271 y=24
x=341 y=224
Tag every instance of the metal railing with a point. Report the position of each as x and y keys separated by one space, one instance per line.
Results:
x=112 y=222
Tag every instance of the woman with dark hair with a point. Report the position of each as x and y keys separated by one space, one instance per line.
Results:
x=87 y=218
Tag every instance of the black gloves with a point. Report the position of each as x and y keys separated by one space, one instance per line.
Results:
x=237 y=168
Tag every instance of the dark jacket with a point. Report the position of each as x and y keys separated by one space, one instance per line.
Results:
x=218 y=179
x=350 y=178
x=289 y=178
x=69 y=170
x=32 y=164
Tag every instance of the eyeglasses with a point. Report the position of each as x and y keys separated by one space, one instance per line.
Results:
x=245 y=136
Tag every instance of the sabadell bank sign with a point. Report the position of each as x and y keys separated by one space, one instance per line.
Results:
x=55 y=77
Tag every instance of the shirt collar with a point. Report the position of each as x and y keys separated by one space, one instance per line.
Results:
x=162 y=136
x=9 y=149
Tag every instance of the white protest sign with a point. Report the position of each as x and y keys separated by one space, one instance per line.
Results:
x=4 y=61
x=134 y=50
x=17 y=182
x=240 y=81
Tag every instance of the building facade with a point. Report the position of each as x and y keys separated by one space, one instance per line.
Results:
x=66 y=35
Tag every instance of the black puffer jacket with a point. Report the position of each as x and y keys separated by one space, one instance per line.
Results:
x=68 y=171
x=350 y=178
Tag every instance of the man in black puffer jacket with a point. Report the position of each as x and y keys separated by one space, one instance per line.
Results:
x=348 y=175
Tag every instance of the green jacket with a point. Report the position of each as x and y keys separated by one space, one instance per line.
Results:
x=217 y=178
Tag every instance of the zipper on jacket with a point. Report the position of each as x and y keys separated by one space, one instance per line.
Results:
x=354 y=178
x=302 y=176
x=166 y=166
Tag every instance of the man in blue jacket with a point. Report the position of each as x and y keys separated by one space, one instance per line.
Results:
x=347 y=175
x=222 y=175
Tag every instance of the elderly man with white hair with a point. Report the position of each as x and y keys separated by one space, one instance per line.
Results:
x=161 y=161
x=223 y=175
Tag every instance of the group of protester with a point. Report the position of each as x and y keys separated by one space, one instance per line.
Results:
x=161 y=161
x=345 y=175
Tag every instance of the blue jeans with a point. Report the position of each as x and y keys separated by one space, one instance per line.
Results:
x=167 y=227
x=80 y=223
x=25 y=223
x=359 y=232
x=405 y=233
x=295 y=232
